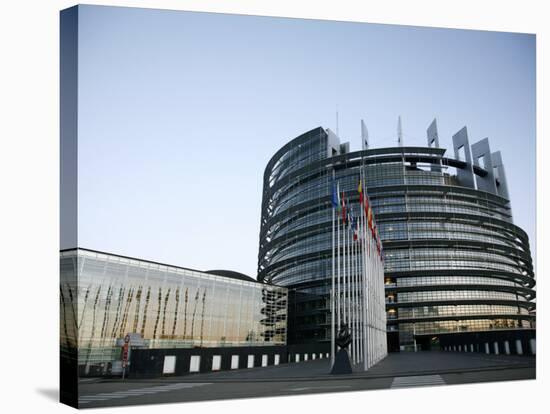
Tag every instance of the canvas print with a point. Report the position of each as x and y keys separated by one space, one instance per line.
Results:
x=263 y=206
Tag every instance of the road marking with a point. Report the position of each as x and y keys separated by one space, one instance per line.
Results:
x=89 y=379
x=417 y=381
x=318 y=388
x=136 y=392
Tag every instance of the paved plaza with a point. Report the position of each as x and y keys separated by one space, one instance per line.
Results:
x=398 y=370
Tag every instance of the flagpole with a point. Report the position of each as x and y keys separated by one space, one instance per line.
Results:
x=358 y=290
x=360 y=275
x=348 y=282
x=332 y=322
x=365 y=297
x=364 y=287
x=371 y=299
x=344 y=258
x=352 y=284
x=356 y=301
x=369 y=283
x=355 y=298
x=352 y=287
x=338 y=261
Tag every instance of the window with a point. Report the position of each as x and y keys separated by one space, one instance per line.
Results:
x=277 y=359
x=264 y=360
x=250 y=362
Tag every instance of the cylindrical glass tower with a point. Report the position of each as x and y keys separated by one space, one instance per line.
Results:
x=454 y=261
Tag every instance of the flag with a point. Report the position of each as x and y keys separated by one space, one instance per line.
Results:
x=343 y=199
x=354 y=228
x=369 y=218
x=334 y=198
x=364 y=136
x=360 y=191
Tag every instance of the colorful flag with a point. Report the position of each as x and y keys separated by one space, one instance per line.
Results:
x=369 y=218
x=360 y=191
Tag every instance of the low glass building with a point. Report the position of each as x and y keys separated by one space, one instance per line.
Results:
x=105 y=297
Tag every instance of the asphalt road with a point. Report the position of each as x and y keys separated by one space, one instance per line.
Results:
x=397 y=370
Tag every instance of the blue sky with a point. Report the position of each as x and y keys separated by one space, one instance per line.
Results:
x=180 y=112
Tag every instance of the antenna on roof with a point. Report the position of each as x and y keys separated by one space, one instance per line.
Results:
x=399 y=132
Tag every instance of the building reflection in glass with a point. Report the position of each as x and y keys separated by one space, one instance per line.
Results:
x=104 y=297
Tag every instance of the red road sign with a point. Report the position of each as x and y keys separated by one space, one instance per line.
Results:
x=125 y=355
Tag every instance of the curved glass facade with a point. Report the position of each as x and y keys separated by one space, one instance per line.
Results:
x=454 y=260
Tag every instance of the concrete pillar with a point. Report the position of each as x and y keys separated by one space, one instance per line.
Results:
x=487 y=348
x=533 y=346
x=519 y=347
x=495 y=346
x=506 y=347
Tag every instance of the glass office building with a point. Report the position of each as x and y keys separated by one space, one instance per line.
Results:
x=104 y=297
x=454 y=260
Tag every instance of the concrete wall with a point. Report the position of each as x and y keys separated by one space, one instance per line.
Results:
x=512 y=342
x=149 y=363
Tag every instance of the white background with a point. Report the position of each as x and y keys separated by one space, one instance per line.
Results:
x=29 y=171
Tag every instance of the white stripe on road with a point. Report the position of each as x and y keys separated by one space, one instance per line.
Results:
x=85 y=399
x=89 y=379
x=417 y=381
x=319 y=388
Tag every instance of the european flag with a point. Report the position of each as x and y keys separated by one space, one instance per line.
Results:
x=334 y=195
